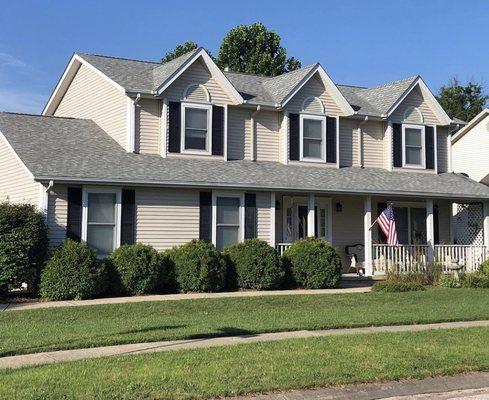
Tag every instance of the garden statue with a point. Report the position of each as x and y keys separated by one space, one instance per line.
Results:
x=455 y=266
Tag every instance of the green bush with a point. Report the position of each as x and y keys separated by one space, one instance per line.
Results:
x=254 y=264
x=400 y=282
x=73 y=272
x=137 y=269
x=449 y=281
x=313 y=263
x=484 y=268
x=23 y=246
x=198 y=267
x=479 y=279
x=434 y=273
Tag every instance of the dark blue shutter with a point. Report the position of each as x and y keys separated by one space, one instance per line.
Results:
x=217 y=130
x=74 y=218
x=429 y=139
x=128 y=216
x=397 y=144
x=330 y=139
x=250 y=215
x=294 y=136
x=205 y=217
x=174 y=127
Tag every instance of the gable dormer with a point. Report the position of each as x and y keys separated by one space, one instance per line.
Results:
x=420 y=139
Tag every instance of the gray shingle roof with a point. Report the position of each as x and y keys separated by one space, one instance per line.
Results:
x=79 y=150
x=377 y=100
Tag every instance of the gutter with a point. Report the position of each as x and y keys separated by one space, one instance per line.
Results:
x=253 y=133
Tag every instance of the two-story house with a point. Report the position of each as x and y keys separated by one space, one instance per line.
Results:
x=133 y=151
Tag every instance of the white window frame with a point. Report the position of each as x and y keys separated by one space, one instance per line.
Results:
x=233 y=195
x=321 y=118
x=118 y=197
x=202 y=106
x=423 y=145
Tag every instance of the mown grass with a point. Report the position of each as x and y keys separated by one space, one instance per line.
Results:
x=31 y=331
x=227 y=371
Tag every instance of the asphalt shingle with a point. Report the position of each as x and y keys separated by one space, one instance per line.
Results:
x=79 y=150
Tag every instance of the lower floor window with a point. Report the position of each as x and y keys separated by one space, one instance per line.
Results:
x=101 y=212
x=228 y=221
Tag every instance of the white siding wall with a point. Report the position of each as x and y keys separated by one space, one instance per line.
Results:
x=90 y=96
x=348 y=142
x=239 y=133
x=263 y=216
x=415 y=99
x=373 y=144
x=166 y=217
x=267 y=136
x=148 y=126
x=16 y=185
x=470 y=154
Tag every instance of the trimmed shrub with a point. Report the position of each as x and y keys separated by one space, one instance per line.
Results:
x=314 y=263
x=73 y=272
x=198 y=267
x=23 y=246
x=396 y=286
x=137 y=269
x=254 y=264
x=479 y=279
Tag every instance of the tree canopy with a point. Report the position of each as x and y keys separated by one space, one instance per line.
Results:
x=247 y=48
x=463 y=102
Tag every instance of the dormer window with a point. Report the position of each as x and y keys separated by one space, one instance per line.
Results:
x=413 y=143
x=312 y=138
x=196 y=128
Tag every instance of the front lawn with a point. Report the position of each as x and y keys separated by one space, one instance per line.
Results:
x=31 y=331
x=248 y=368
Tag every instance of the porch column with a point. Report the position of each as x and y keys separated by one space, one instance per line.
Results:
x=367 y=235
x=486 y=223
x=311 y=218
x=430 y=230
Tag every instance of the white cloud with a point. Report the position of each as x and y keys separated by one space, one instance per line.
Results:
x=7 y=60
x=20 y=101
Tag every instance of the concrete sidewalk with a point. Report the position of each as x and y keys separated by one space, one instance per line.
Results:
x=137 y=348
x=467 y=386
x=180 y=296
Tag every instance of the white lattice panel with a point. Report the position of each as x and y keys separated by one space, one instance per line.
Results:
x=469 y=227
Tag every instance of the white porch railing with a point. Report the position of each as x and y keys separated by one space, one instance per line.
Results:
x=281 y=247
x=412 y=258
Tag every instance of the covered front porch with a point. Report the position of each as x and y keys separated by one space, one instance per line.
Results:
x=430 y=230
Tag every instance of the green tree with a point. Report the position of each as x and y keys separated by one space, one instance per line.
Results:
x=463 y=102
x=180 y=50
x=255 y=49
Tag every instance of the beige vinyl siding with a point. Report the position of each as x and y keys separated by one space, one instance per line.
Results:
x=347 y=225
x=148 y=126
x=166 y=217
x=415 y=99
x=348 y=142
x=16 y=184
x=93 y=97
x=442 y=148
x=197 y=73
x=315 y=88
x=267 y=136
x=373 y=144
x=239 y=133
x=57 y=215
x=263 y=212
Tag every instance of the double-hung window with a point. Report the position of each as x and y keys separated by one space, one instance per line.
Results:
x=101 y=220
x=196 y=128
x=413 y=151
x=312 y=138
x=228 y=216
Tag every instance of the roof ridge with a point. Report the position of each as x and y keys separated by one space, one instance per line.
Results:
x=43 y=116
x=268 y=76
x=121 y=58
x=394 y=82
x=352 y=86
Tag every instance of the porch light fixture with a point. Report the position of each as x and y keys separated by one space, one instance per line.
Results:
x=339 y=207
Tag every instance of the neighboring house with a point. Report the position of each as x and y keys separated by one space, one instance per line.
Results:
x=161 y=154
x=470 y=148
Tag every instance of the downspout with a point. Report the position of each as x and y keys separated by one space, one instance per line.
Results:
x=45 y=200
x=361 y=142
x=253 y=132
x=132 y=124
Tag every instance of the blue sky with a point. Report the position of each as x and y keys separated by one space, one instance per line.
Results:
x=357 y=42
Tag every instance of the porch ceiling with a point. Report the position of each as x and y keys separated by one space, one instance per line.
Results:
x=75 y=150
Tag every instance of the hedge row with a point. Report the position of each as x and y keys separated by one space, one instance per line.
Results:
x=73 y=272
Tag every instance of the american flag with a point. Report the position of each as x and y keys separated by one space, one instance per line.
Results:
x=388 y=225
